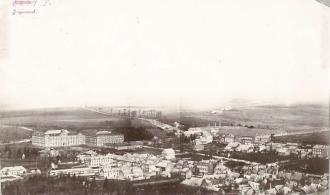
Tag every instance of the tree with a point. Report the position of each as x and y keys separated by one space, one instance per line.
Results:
x=9 y=153
x=111 y=186
x=93 y=184
x=129 y=188
x=25 y=151
x=19 y=153
x=105 y=185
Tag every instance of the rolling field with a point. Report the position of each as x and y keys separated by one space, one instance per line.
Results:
x=308 y=138
x=11 y=123
x=11 y=133
x=248 y=131
x=297 y=117
x=74 y=119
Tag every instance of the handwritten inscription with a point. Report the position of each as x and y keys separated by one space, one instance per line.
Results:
x=28 y=6
x=23 y=11
x=24 y=2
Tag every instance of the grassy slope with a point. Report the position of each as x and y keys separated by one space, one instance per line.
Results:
x=58 y=118
x=72 y=119
x=289 y=117
x=8 y=134
x=293 y=117
x=309 y=138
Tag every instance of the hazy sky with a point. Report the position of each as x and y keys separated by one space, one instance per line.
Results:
x=153 y=52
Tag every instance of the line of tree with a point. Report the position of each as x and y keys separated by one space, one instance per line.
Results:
x=62 y=185
x=75 y=185
x=13 y=152
x=136 y=133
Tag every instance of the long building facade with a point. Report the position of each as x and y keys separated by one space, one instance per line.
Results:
x=106 y=137
x=58 y=138
x=63 y=138
x=38 y=139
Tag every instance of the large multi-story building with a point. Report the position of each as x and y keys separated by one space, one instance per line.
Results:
x=263 y=138
x=57 y=138
x=38 y=139
x=101 y=138
x=125 y=145
x=17 y=170
x=321 y=151
x=229 y=138
x=81 y=171
x=205 y=167
x=100 y=161
x=149 y=114
x=107 y=137
x=110 y=172
x=91 y=140
x=245 y=139
x=62 y=138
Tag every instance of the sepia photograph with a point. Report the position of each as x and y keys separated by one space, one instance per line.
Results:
x=175 y=97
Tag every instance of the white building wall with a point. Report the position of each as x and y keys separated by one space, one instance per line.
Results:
x=64 y=140
x=103 y=139
x=104 y=161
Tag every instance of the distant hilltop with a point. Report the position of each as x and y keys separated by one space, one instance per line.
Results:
x=220 y=111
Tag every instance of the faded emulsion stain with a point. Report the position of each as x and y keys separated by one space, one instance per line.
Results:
x=324 y=35
x=324 y=2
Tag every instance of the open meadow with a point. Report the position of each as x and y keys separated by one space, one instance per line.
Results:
x=294 y=117
x=73 y=118
x=18 y=125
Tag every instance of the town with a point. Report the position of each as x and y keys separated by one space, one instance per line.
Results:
x=145 y=97
x=213 y=159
